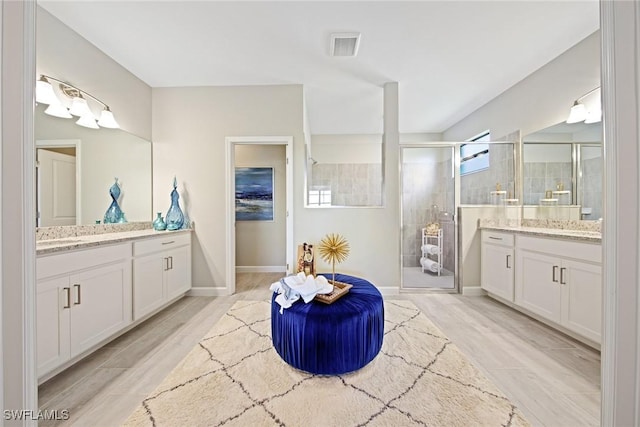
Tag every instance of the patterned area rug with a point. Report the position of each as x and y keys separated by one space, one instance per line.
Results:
x=234 y=377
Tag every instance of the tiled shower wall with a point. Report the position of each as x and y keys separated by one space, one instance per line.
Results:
x=475 y=188
x=592 y=187
x=424 y=186
x=540 y=177
x=351 y=184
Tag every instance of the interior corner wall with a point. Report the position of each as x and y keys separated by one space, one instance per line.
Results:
x=190 y=125
x=64 y=54
x=263 y=243
x=540 y=100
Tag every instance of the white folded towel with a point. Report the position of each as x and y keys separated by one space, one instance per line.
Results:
x=291 y=288
x=429 y=264
x=430 y=249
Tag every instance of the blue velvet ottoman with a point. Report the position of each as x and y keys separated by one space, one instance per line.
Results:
x=331 y=339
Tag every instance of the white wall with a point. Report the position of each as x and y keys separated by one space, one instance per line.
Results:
x=64 y=54
x=621 y=330
x=263 y=243
x=356 y=148
x=189 y=130
x=540 y=100
x=19 y=388
x=189 y=127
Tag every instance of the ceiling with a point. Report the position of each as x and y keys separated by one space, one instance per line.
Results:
x=448 y=57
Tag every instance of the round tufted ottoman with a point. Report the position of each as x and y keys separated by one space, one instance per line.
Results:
x=332 y=338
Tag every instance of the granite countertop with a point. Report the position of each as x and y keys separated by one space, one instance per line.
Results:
x=67 y=243
x=589 y=236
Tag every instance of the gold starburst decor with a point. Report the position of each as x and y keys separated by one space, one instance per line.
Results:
x=333 y=248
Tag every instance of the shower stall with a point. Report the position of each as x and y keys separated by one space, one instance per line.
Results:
x=428 y=189
x=440 y=181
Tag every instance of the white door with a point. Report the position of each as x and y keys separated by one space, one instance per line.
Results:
x=582 y=298
x=538 y=285
x=56 y=188
x=497 y=270
x=53 y=302
x=100 y=304
x=179 y=272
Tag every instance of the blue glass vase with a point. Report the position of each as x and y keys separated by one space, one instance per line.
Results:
x=159 y=224
x=174 y=217
x=114 y=214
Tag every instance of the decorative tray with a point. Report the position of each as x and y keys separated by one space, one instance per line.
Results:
x=339 y=289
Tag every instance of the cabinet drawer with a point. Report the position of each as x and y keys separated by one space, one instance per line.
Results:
x=590 y=252
x=498 y=238
x=57 y=264
x=157 y=244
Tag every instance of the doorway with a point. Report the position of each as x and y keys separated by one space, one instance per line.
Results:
x=236 y=146
x=428 y=223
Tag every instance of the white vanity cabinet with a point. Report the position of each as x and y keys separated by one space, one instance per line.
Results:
x=497 y=263
x=161 y=271
x=562 y=281
x=83 y=298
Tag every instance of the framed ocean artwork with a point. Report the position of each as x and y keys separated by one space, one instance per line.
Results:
x=254 y=194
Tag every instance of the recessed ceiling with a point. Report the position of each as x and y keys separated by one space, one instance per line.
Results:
x=448 y=57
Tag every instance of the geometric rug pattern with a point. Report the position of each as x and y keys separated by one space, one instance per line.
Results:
x=234 y=377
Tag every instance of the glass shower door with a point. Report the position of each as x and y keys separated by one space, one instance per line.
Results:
x=428 y=223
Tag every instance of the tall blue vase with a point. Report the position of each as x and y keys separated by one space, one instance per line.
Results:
x=114 y=214
x=174 y=218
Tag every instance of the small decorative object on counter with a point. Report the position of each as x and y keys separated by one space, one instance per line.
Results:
x=306 y=260
x=174 y=217
x=159 y=224
x=333 y=248
x=113 y=214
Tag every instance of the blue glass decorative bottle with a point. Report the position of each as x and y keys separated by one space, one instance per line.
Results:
x=174 y=217
x=114 y=214
x=159 y=224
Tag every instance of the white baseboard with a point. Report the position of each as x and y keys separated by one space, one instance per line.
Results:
x=208 y=291
x=473 y=291
x=261 y=269
x=389 y=291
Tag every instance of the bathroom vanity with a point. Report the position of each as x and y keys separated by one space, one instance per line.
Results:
x=553 y=275
x=92 y=288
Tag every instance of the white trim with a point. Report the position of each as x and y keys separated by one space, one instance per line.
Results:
x=2 y=367
x=386 y=291
x=261 y=269
x=65 y=143
x=209 y=291
x=18 y=267
x=620 y=390
x=230 y=229
x=473 y=291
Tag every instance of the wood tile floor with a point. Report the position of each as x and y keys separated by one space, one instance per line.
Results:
x=553 y=379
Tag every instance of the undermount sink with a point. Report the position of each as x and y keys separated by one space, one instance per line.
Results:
x=57 y=242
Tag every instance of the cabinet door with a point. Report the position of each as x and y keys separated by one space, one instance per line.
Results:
x=52 y=323
x=100 y=304
x=148 y=289
x=582 y=298
x=497 y=270
x=179 y=273
x=538 y=287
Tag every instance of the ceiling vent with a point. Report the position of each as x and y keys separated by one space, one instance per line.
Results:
x=345 y=44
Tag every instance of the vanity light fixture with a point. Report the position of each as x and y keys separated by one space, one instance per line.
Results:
x=79 y=106
x=579 y=112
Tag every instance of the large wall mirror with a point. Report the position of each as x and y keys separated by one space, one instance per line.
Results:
x=77 y=166
x=344 y=170
x=562 y=172
x=487 y=173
